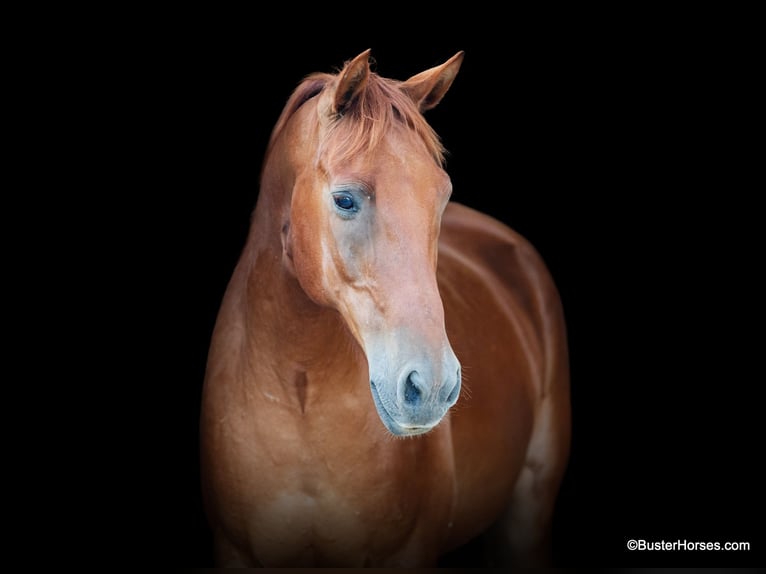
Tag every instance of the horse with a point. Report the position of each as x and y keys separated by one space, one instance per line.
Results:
x=387 y=380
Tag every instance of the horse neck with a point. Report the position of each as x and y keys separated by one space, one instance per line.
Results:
x=284 y=324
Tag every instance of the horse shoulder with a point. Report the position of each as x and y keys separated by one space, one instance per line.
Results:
x=504 y=320
x=485 y=264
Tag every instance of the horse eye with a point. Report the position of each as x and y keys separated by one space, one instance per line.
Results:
x=345 y=202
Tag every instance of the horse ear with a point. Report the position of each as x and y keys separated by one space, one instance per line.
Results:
x=428 y=88
x=353 y=78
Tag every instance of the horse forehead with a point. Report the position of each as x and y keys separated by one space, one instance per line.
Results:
x=397 y=163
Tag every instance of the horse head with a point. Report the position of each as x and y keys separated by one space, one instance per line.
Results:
x=368 y=189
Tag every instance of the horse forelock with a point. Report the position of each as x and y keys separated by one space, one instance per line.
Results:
x=359 y=129
x=376 y=109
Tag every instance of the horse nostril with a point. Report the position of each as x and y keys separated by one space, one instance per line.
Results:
x=412 y=393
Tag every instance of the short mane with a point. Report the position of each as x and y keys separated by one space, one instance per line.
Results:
x=373 y=112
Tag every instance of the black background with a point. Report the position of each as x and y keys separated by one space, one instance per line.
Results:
x=612 y=142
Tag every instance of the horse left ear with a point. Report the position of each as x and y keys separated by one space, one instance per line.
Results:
x=352 y=79
x=428 y=88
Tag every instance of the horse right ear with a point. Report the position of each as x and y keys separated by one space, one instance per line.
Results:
x=352 y=80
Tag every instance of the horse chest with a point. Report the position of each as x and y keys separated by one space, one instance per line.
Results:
x=346 y=503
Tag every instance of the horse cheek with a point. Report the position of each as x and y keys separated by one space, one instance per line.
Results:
x=306 y=251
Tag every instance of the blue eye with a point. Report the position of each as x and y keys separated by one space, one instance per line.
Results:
x=346 y=203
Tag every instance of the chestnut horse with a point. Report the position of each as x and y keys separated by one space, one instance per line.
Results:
x=334 y=430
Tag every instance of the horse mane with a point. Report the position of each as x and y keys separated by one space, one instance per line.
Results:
x=379 y=106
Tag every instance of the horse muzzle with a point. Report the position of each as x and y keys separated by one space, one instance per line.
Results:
x=417 y=401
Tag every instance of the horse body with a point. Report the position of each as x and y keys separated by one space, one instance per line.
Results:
x=334 y=324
